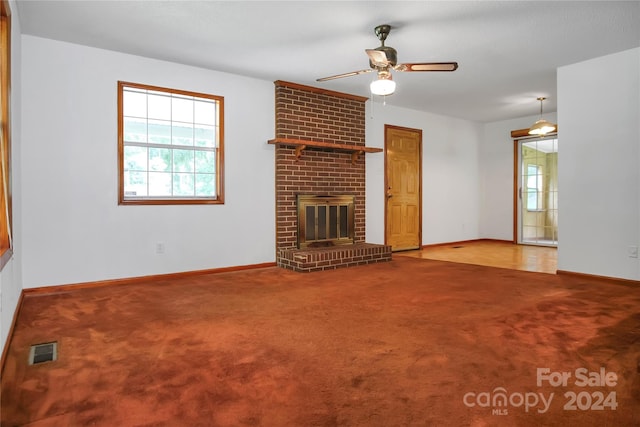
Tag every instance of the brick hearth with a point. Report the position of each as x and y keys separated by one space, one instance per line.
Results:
x=312 y=114
x=316 y=259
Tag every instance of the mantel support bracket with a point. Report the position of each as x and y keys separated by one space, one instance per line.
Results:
x=299 y=149
x=355 y=155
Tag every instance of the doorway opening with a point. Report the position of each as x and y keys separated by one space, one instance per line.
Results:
x=537 y=191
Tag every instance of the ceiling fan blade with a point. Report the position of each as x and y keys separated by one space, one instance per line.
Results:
x=427 y=66
x=339 y=76
x=378 y=57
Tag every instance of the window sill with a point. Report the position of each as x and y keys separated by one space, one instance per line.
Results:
x=218 y=201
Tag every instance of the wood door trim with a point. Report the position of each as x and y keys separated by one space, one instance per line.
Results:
x=386 y=183
x=524 y=133
x=520 y=135
x=515 y=190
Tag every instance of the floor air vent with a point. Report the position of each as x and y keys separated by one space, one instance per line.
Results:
x=40 y=353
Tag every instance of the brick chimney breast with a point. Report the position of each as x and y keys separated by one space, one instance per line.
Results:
x=313 y=114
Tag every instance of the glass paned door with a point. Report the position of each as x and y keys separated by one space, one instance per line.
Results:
x=538 y=191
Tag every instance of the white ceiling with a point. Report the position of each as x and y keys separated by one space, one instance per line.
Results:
x=508 y=51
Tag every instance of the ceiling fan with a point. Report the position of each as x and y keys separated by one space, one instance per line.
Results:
x=383 y=59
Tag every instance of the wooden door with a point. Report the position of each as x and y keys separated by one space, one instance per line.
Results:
x=403 y=177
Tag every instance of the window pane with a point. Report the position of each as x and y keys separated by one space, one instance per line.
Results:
x=135 y=184
x=529 y=232
x=159 y=132
x=532 y=200
x=529 y=220
x=135 y=130
x=135 y=158
x=182 y=134
x=205 y=185
x=183 y=185
x=532 y=172
x=205 y=161
x=205 y=112
x=183 y=161
x=205 y=136
x=181 y=110
x=160 y=159
x=159 y=184
x=134 y=104
x=159 y=107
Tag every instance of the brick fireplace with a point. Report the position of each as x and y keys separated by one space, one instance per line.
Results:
x=319 y=152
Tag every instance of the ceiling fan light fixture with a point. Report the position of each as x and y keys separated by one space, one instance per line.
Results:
x=384 y=85
x=541 y=127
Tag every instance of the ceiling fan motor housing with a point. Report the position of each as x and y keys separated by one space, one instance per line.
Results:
x=390 y=53
x=382 y=31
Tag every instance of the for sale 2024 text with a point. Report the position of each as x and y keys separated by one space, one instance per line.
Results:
x=587 y=399
x=582 y=377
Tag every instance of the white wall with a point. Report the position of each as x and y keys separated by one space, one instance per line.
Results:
x=11 y=275
x=74 y=230
x=496 y=176
x=68 y=227
x=449 y=173
x=598 y=162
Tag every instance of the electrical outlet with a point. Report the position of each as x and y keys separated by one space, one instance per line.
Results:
x=159 y=248
x=633 y=252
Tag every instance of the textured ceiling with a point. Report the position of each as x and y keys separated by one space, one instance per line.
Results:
x=508 y=51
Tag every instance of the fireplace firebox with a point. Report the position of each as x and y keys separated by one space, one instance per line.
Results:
x=325 y=220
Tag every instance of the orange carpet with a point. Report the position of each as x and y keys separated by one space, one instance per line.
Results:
x=406 y=343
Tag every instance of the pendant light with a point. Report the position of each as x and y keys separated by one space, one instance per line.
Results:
x=541 y=127
x=384 y=85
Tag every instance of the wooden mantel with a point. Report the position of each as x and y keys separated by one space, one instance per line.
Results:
x=301 y=144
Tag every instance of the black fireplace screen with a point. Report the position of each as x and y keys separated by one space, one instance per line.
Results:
x=325 y=220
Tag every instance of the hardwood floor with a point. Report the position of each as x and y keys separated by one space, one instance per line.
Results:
x=492 y=253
